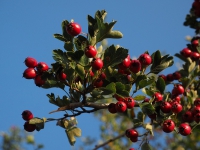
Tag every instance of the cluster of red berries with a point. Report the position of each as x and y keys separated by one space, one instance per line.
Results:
x=132 y=134
x=191 y=50
x=171 y=76
x=27 y=115
x=121 y=105
x=196 y=7
x=32 y=73
x=134 y=66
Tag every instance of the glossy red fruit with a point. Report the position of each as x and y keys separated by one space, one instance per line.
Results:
x=134 y=139
x=121 y=106
x=186 y=52
x=91 y=73
x=126 y=62
x=73 y=29
x=176 y=99
x=146 y=100
x=178 y=89
x=196 y=5
x=27 y=115
x=135 y=66
x=187 y=117
x=194 y=56
x=98 y=83
x=111 y=108
x=195 y=42
x=197 y=118
x=176 y=75
x=145 y=59
x=62 y=76
x=29 y=73
x=197 y=102
x=30 y=62
x=130 y=103
x=42 y=67
x=131 y=133
x=164 y=77
x=157 y=97
x=39 y=81
x=176 y=107
x=168 y=126
x=97 y=64
x=131 y=149
x=29 y=127
x=184 y=129
x=102 y=76
x=165 y=107
x=90 y=51
x=195 y=110
x=170 y=77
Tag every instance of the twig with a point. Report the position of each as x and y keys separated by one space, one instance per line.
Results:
x=111 y=140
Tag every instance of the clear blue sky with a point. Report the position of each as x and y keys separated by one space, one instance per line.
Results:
x=27 y=28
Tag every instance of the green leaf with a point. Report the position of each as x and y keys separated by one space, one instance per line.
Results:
x=160 y=84
x=138 y=79
x=96 y=93
x=191 y=66
x=71 y=133
x=181 y=57
x=81 y=42
x=139 y=97
x=111 y=87
x=147 y=108
x=141 y=116
x=148 y=92
x=156 y=58
x=84 y=61
x=60 y=56
x=60 y=37
x=113 y=57
x=80 y=70
x=38 y=122
x=76 y=56
x=146 y=146
x=53 y=83
x=119 y=86
x=123 y=93
x=145 y=82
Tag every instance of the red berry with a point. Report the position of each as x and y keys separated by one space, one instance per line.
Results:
x=111 y=108
x=97 y=63
x=130 y=103
x=195 y=42
x=42 y=67
x=176 y=99
x=194 y=56
x=121 y=106
x=119 y=98
x=178 y=89
x=134 y=139
x=90 y=51
x=145 y=59
x=165 y=107
x=27 y=115
x=98 y=83
x=73 y=29
x=29 y=73
x=176 y=75
x=102 y=76
x=62 y=76
x=195 y=110
x=131 y=133
x=168 y=126
x=146 y=100
x=152 y=116
x=157 y=97
x=29 y=127
x=170 y=77
x=39 y=81
x=197 y=102
x=30 y=62
x=131 y=149
x=126 y=62
x=91 y=73
x=163 y=76
x=176 y=107
x=197 y=118
x=135 y=66
x=187 y=117
x=186 y=52
x=184 y=129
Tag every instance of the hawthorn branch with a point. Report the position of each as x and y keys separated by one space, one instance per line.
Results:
x=72 y=106
x=111 y=140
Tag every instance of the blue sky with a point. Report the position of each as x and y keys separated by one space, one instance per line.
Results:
x=27 y=29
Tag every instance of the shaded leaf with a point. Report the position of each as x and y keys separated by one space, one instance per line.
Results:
x=160 y=84
x=139 y=97
x=146 y=82
x=147 y=108
x=111 y=87
x=80 y=70
x=146 y=146
x=60 y=37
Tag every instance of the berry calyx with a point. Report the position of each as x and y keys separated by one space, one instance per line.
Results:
x=29 y=73
x=168 y=126
x=73 y=29
x=27 y=115
x=30 y=62
x=90 y=51
x=165 y=107
x=29 y=127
